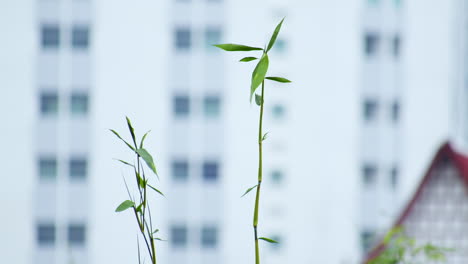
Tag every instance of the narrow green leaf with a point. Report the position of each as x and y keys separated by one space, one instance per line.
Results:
x=147 y=158
x=236 y=47
x=126 y=163
x=132 y=131
x=143 y=139
x=138 y=209
x=268 y=240
x=249 y=189
x=258 y=99
x=274 y=36
x=265 y=136
x=247 y=59
x=278 y=79
x=155 y=231
x=157 y=238
x=158 y=191
x=117 y=134
x=124 y=206
x=258 y=75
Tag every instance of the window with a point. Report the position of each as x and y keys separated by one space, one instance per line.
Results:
x=78 y=168
x=211 y=105
x=50 y=36
x=367 y=238
x=280 y=45
x=179 y=236
x=183 y=38
x=209 y=237
x=277 y=176
x=181 y=105
x=394 y=175
x=45 y=234
x=370 y=109
x=80 y=37
x=369 y=174
x=210 y=171
x=395 y=111
x=396 y=43
x=76 y=234
x=79 y=103
x=49 y=103
x=371 y=44
x=47 y=168
x=278 y=111
x=212 y=36
x=180 y=170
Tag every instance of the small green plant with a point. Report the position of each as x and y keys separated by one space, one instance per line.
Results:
x=402 y=249
x=258 y=78
x=140 y=204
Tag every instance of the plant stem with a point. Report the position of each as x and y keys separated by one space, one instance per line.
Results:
x=260 y=171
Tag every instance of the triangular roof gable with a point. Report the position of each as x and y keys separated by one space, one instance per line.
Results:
x=446 y=151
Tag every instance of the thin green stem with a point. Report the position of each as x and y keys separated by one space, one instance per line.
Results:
x=260 y=173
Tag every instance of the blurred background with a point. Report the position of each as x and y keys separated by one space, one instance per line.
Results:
x=378 y=86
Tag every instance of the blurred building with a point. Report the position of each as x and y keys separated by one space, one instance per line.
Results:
x=347 y=139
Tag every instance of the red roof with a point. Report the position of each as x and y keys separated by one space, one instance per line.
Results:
x=446 y=151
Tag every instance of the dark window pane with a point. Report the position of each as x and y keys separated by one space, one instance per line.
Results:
x=45 y=234
x=210 y=171
x=76 y=234
x=396 y=46
x=178 y=236
x=47 y=168
x=209 y=237
x=277 y=176
x=49 y=103
x=371 y=44
x=183 y=38
x=369 y=174
x=394 y=177
x=367 y=240
x=79 y=104
x=80 y=37
x=370 y=109
x=180 y=170
x=395 y=111
x=78 y=168
x=278 y=111
x=181 y=105
x=212 y=36
x=211 y=105
x=50 y=36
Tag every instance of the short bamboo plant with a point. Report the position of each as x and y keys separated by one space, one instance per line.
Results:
x=259 y=75
x=140 y=204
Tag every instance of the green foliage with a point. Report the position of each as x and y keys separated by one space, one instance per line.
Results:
x=142 y=212
x=400 y=248
x=258 y=78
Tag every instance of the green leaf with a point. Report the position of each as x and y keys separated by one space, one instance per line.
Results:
x=117 y=134
x=132 y=131
x=155 y=231
x=124 y=206
x=126 y=163
x=268 y=240
x=278 y=79
x=258 y=75
x=147 y=158
x=258 y=99
x=247 y=59
x=143 y=139
x=158 y=191
x=160 y=239
x=274 y=36
x=138 y=209
x=236 y=47
x=265 y=136
x=249 y=189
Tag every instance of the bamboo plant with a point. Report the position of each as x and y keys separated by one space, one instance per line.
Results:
x=259 y=75
x=140 y=204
